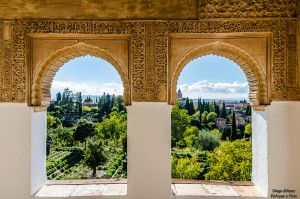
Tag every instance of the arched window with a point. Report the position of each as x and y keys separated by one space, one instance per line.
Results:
x=86 y=122
x=211 y=125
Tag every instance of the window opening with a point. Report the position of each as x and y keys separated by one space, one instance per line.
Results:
x=211 y=123
x=86 y=122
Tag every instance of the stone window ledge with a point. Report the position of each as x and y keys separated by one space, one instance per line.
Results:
x=180 y=189
x=186 y=188
x=80 y=188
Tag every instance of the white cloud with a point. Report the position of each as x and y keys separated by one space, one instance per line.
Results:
x=208 y=90
x=87 y=88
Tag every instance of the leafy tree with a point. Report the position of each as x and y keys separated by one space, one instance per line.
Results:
x=86 y=110
x=207 y=141
x=211 y=125
x=223 y=113
x=211 y=107
x=56 y=122
x=120 y=103
x=211 y=117
x=57 y=110
x=233 y=135
x=50 y=119
x=124 y=143
x=196 y=120
x=204 y=117
x=61 y=136
x=88 y=99
x=186 y=168
x=232 y=161
x=179 y=121
x=193 y=130
x=83 y=130
x=94 y=157
x=248 y=130
x=179 y=104
x=190 y=140
x=110 y=129
x=94 y=109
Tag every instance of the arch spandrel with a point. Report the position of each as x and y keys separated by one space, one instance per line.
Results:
x=43 y=76
x=258 y=90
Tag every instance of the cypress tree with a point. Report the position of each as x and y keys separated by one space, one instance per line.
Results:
x=250 y=110
x=202 y=106
x=217 y=109
x=224 y=134
x=199 y=105
x=200 y=121
x=233 y=135
x=192 y=108
x=79 y=104
x=187 y=104
x=207 y=107
x=223 y=112
x=58 y=97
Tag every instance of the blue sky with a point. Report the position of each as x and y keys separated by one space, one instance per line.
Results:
x=88 y=75
x=213 y=77
x=209 y=77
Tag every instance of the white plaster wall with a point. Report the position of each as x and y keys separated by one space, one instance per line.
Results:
x=149 y=160
x=38 y=150
x=284 y=146
x=15 y=122
x=260 y=150
x=149 y=151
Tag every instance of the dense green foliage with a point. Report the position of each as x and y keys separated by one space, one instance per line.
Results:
x=94 y=157
x=71 y=126
x=248 y=131
x=207 y=141
x=83 y=130
x=186 y=168
x=195 y=133
x=232 y=161
x=199 y=149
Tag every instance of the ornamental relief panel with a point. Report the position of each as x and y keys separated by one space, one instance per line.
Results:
x=247 y=8
x=148 y=54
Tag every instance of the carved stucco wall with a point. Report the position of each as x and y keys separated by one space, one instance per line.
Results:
x=254 y=73
x=149 y=51
x=42 y=78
